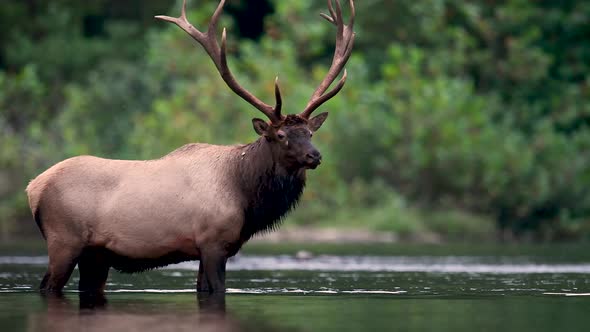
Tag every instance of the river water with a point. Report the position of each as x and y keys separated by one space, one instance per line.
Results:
x=415 y=291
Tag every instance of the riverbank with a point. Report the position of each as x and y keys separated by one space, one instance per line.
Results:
x=298 y=234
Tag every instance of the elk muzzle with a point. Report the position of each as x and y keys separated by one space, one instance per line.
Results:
x=313 y=158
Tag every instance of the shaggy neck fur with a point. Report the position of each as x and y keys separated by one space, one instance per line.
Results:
x=271 y=190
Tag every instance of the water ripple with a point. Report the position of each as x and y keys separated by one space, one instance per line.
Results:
x=392 y=264
x=366 y=263
x=263 y=291
x=568 y=294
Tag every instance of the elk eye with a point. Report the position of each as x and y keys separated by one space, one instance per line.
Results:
x=280 y=135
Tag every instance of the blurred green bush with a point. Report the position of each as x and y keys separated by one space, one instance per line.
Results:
x=460 y=120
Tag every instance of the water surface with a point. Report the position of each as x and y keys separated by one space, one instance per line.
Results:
x=353 y=292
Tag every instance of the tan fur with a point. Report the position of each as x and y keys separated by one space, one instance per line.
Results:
x=122 y=205
x=184 y=204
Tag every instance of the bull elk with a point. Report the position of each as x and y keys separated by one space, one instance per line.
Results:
x=199 y=202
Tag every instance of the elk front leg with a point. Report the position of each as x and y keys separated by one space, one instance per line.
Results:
x=212 y=277
x=202 y=284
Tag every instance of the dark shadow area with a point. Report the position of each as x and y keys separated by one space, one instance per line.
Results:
x=249 y=17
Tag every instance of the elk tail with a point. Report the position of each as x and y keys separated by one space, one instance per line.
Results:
x=38 y=221
x=34 y=191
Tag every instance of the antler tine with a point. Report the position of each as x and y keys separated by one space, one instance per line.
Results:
x=328 y=18
x=352 y=14
x=184 y=24
x=218 y=54
x=325 y=97
x=279 y=100
x=344 y=42
x=331 y=9
x=339 y=20
x=215 y=17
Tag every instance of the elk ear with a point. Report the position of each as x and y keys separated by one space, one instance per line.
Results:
x=260 y=126
x=316 y=122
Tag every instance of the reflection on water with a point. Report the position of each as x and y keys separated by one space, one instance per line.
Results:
x=92 y=313
x=183 y=312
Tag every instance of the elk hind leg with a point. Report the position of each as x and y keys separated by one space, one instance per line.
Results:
x=62 y=260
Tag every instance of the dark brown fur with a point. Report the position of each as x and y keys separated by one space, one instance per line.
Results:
x=272 y=191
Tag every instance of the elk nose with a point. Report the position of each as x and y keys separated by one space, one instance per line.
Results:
x=314 y=156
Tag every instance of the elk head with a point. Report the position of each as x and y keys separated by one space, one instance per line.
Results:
x=290 y=135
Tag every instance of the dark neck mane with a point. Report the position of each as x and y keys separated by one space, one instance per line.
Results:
x=271 y=191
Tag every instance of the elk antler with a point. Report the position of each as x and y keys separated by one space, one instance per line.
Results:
x=344 y=42
x=218 y=55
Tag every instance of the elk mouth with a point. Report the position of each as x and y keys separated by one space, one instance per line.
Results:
x=312 y=163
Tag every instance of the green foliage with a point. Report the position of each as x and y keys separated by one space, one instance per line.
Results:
x=21 y=99
x=462 y=113
x=99 y=112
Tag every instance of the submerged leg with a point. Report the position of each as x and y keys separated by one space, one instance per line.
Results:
x=211 y=302
x=94 y=270
x=213 y=275
x=202 y=284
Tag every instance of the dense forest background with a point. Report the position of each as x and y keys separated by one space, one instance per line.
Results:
x=468 y=120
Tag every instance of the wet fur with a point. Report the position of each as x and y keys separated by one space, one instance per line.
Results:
x=132 y=265
x=274 y=197
x=271 y=191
